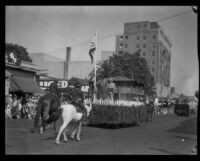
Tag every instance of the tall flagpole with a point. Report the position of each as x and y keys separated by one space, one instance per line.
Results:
x=95 y=70
x=95 y=62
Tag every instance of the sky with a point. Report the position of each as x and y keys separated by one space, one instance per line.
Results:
x=50 y=29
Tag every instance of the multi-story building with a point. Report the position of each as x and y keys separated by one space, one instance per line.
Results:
x=154 y=46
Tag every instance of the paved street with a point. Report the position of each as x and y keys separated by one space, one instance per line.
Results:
x=166 y=135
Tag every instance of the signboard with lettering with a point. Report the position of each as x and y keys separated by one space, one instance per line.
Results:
x=46 y=83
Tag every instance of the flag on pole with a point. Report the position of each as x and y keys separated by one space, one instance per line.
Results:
x=92 y=48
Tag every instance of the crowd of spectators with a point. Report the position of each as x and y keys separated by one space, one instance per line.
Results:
x=21 y=107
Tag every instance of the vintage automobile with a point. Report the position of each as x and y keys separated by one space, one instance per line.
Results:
x=182 y=109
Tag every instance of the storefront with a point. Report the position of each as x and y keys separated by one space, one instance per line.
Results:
x=23 y=79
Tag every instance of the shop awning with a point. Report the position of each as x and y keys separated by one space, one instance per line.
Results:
x=24 y=84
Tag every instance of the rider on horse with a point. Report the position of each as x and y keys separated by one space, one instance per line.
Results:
x=54 y=102
x=76 y=98
x=53 y=88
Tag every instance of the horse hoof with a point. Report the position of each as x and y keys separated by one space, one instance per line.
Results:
x=57 y=142
x=65 y=140
x=78 y=139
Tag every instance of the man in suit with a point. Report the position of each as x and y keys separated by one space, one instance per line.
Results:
x=53 y=88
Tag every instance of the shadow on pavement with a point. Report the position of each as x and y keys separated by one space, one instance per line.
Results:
x=55 y=135
x=49 y=138
x=186 y=127
x=166 y=151
x=113 y=126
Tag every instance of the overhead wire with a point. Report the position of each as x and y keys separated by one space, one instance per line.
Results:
x=47 y=26
x=170 y=17
x=52 y=29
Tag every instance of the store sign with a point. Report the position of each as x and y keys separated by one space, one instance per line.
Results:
x=46 y=83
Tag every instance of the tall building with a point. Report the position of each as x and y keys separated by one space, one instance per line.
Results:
x=155 y=47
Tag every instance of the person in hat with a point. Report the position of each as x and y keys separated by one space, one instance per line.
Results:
x=53 y=88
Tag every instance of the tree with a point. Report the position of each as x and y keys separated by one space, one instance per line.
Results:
x=132 y=66
x=19 y=51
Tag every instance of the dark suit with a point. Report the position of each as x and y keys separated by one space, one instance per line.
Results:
x=53 y=88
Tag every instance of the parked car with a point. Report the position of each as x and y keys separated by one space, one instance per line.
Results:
x=182 y=110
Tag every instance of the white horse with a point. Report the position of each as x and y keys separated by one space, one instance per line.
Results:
x=69 y=114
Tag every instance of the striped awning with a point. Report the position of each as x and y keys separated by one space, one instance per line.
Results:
x=24 y=84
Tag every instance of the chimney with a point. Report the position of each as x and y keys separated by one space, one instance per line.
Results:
x=67 y=63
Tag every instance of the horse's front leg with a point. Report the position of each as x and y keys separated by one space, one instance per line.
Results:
x=64 y=135
x=151 y=116
x=74 y=132
x=79 y=130
x=54 y=125
x=42 y=127
x=147 y=117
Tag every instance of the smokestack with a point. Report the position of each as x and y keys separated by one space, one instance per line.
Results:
x=67 y=63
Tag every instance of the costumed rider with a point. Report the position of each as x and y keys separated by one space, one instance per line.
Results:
x=54 y=113
x=53 y=89
x=77 y=99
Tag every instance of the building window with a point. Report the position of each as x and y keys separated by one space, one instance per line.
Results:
x=144 y=53
x=121 y=45
x=152 y=62
x=138 y=38
x=154 y=45
x=154 y=36
x=152 y=69
x=144 y=37
x=126 y=37
x=126 y=45
x=153 y=53
x=138 y=45
x=144 y=45
x=121 y=38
